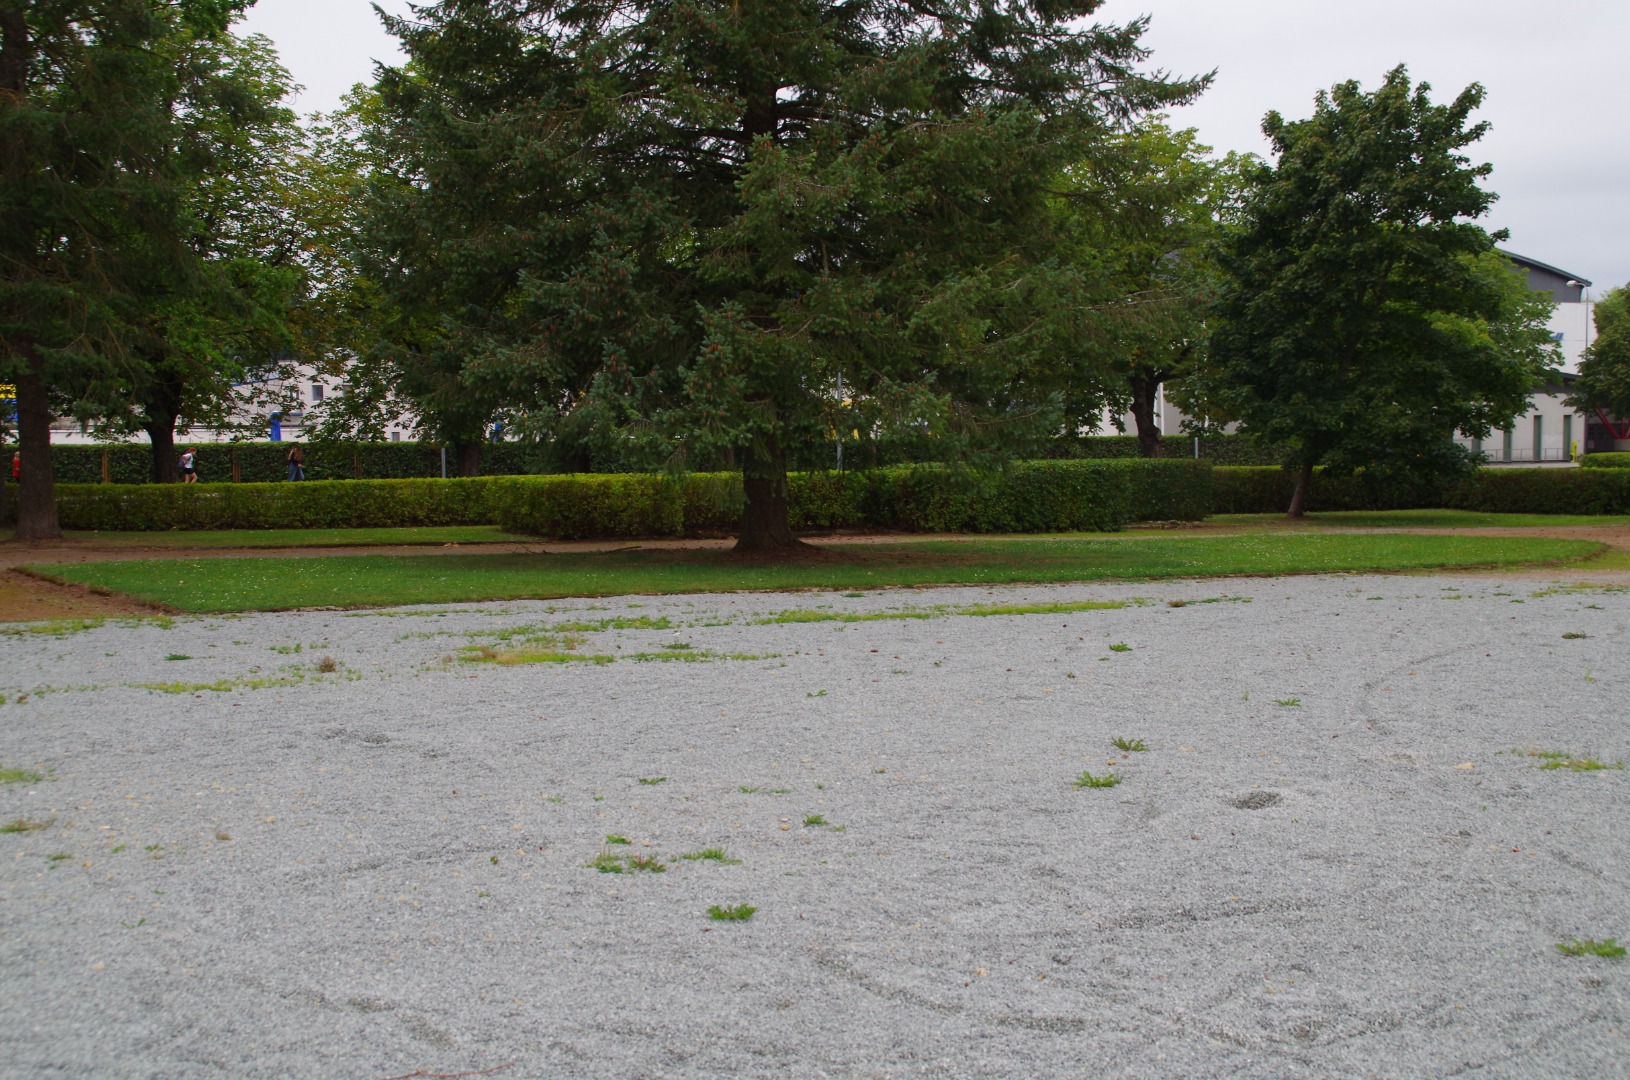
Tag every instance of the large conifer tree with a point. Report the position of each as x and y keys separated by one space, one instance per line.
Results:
x=679 y=223
x=88 y=215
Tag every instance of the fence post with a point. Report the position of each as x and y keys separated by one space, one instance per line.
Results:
x=107 y=473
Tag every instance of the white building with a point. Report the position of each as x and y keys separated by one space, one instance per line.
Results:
x=283 y=407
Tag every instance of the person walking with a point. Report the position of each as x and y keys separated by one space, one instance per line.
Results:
x=297 y=457
x=189 y=466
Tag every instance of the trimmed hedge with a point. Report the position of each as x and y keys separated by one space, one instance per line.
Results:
x=315 y=504
x=1037 y=496
x=1247 y=489
x=1504 y=491
x=1610 y=460
x=1545 y=491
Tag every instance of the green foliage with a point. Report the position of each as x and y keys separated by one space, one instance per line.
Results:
x=379 y=581
x=1605 y=461
x=1607 y=948
x=1366 y=318
x=314 y=504
x=1604 y=371
x=1544 y=491
x=1088 y=780
x=1131 y=746
x=674 y=229
x=1248 y=490
x=712 y=854
x=1149 y=210
x=731 y=912
x=1042 y=496
x=1262 y=490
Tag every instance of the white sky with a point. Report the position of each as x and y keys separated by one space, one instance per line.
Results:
x=1554 y=71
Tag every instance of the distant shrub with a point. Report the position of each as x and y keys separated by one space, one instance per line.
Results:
x=1615 y=460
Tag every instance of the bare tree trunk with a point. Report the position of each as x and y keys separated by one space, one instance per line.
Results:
x=1144 y=389
x=1304 y=481
x=467 y=458
x=37 y=502
x=766 y=523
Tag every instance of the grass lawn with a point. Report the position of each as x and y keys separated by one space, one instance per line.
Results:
x=269 y=584
x=1420 y=519
x=286 y=538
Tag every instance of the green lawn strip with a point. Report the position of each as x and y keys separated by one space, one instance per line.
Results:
x=271 y=584
x=286 y=538
x=1421 y=519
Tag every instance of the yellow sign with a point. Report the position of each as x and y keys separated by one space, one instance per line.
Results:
x=7 y=390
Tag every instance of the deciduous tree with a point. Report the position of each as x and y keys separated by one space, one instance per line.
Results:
x=1363 y=322
x=1604 y=372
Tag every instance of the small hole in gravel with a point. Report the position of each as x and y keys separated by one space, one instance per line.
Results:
x=1257 y=800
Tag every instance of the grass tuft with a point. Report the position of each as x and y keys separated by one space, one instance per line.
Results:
x=1087 y=780
x=1131 y=746
x=1559 y=759
x=22 y=825
x=731 y=912
x=20 y=776
x=1590 y=947
x=711 y=854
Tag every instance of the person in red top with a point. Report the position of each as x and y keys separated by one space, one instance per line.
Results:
x=17 y=466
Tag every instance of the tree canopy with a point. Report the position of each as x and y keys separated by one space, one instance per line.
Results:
x=1365 y=317
x=679 y=224
x=88 y=213
x=1604 y=371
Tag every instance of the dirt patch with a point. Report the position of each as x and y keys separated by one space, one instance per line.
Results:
x=25 y=598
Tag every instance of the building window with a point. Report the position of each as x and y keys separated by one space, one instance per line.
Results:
x=1567 y=436
x=1539 y=438
x=396 y=436
x=1506 y=455
x=316 y=391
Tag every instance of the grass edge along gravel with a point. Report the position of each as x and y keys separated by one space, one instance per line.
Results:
x=354 y=581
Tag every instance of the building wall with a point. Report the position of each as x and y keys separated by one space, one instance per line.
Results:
x=258 y=402
x=1546 y=433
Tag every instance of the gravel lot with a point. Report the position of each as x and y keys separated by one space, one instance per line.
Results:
x=1328 y=862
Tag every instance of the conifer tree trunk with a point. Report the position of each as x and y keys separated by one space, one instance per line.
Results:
x=766 y=519
x=467 y=458
x=37 y=502
x=162 y=408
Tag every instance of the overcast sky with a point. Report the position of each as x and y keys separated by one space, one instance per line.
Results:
x=1554 y=73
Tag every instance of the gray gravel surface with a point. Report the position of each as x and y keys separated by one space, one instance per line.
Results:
x=1336 y=856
